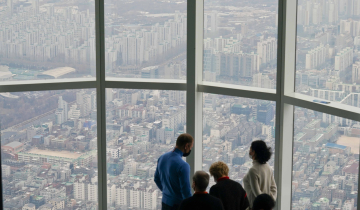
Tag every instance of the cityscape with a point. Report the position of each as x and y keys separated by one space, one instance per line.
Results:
x=49 y=138
x=50 y=160
x=325 y=161
x=326 y=147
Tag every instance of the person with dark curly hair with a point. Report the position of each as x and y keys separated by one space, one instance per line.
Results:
x=260 y=178
x=263 y=202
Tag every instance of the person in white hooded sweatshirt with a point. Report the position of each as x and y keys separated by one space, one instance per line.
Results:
x=260 y=178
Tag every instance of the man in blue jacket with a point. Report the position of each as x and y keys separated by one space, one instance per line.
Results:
x=172 y=174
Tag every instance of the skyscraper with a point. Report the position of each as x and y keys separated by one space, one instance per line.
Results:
x=266 y=49
x=214 y=22
x=344 y=59
x=36 y=6
x=356 y=72
x=10 y=6
x=64 y=106
x=265 y=113
x=109 y=95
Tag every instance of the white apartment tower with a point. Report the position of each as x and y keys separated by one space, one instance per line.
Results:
x=266 y=50
x=87 y=191
x=84 y=102
x=315 y=57
x=63 y=105
x=80 y=190
x=10 y=6
x=356 y=72
x=214 y=21
x=333 y=15
x=344 y=59
x=36 y=6
x=5 y=170
x=109 y=95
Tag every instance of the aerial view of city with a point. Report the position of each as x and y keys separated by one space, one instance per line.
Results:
x=325 y=161
x=326 y=147
x=49 y=138
x=240 y=42
x=49 y=149
x=230 y=124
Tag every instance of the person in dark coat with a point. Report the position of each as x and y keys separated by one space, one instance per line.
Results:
x=201 y=200
x=231 y=193
x=263 y=202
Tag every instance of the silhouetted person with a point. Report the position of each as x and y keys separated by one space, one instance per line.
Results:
x=172 y=174
x=231 y=193
x=260 y=178
x=263 y=202
x=201 y=200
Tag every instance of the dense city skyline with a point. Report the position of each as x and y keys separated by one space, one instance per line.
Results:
x=49 y=138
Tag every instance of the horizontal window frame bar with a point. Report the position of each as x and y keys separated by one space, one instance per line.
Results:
x=150 y=84
x=334 y=108
x=238 y=91
x=44 y=85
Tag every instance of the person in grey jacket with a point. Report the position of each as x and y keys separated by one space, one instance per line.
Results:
x=260 y=178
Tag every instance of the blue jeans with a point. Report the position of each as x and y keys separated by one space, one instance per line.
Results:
x=167 y=207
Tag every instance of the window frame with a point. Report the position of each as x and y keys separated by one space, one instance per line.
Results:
x=284 y=95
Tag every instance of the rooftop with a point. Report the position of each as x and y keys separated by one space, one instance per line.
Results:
x=14 y=144
x=150 y=68
x=58 y=72
x=335 y=146
x=5 y=74
x=64 y=154
x=352 y=169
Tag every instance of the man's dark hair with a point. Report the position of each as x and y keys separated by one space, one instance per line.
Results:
x=262 y=151
x=183 y=139
x=201 y=179
x=263 y=202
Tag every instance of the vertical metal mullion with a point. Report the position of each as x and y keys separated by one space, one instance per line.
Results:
x=101 y=105
x=195 y=28
x=279 y=108
x=285 y=112
x=358 y=195
x=285 y=160
x=1 y=185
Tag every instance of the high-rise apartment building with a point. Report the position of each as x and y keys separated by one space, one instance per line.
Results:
x=267 y=49
x=63 y=105
x=36 y=6
x=86 y=190
x=316 y=57
x=356 y=72
x=265 y=113
x=214 y=21
x=134 y=196
x=344 y=59
x=5 y=170
x=84 y=102
x=333 y=11
x=263 y=81
x=10 y=6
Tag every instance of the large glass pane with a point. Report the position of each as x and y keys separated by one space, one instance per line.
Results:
x=49 y=150
x=240 y=42
x=145 y=39
x=230 y=124
x=325 y=161
x=141 y=126
x=46 y=39
x=327 y=56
